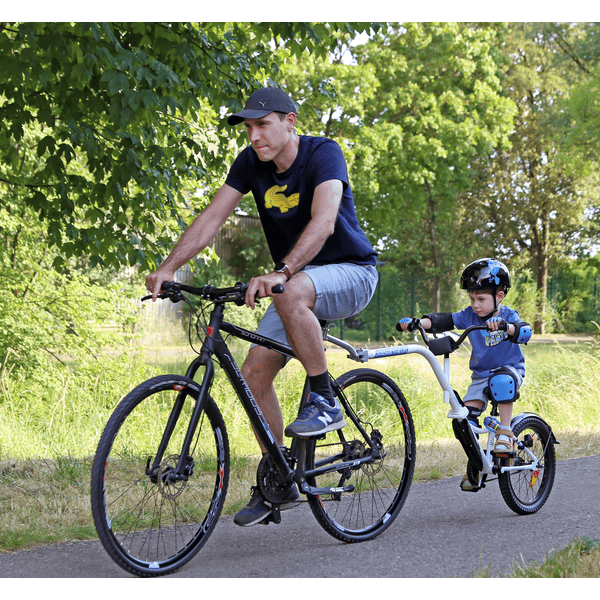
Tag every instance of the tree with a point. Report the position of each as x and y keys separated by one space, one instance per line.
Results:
x=106 y=126
x=411 y=108
x=439 y=106
x=533 y=207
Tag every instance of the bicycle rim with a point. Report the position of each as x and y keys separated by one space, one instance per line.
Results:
x=379 y=428
x=525 y=492
x=149 y=523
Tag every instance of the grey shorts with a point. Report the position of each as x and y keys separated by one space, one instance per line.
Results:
x=475 y=390
x=342 y=291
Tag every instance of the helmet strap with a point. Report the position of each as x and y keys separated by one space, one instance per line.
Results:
x=496 y=304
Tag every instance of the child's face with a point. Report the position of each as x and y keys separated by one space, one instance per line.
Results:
x=483 y=302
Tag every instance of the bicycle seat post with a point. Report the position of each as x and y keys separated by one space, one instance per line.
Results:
x=447 y=374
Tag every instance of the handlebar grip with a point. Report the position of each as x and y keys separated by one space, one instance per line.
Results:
x=278 y=289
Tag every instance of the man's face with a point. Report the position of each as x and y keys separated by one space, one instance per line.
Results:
x=270 y=135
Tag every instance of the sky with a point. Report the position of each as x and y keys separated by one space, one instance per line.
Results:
x=310 y=10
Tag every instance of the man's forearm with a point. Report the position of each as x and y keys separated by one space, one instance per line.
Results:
x=324 y=211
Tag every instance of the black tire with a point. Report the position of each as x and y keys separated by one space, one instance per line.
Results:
x=525 y=492
x=374 y=404
x=150 y=525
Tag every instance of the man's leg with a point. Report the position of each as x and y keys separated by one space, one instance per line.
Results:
x=305 y=338
x=294 y=307
x=259 y=370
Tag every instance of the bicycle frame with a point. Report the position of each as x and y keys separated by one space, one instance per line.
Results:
x=457 y=409
x=214 y=345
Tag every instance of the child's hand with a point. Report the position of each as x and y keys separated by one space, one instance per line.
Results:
x=496 y=323
x=407 y=324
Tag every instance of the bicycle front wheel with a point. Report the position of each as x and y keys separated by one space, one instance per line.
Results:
x=150 y=518
x=374 y=453
x=525 y=492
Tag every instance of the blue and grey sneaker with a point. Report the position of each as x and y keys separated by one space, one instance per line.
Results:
x=258 y=508
x=317 y=417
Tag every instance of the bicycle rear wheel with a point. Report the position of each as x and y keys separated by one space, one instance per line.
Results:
x=150 y=522
x=525 y=492
x=379 y=429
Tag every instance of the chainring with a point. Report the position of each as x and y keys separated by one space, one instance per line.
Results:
x=269 y=481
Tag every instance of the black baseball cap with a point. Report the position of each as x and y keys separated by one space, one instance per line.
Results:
x=262 y=102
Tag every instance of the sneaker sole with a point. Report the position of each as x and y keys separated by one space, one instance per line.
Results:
x=261 y=518
x=328 y=428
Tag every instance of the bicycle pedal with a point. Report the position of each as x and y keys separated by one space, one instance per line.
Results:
x=273 y=517
x=504 y=455
x=475 y=489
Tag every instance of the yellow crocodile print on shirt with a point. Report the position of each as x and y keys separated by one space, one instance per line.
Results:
x=275 y=198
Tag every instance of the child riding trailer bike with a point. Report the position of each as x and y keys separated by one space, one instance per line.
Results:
x=497 y=363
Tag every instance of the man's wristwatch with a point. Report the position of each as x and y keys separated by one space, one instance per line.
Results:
x=281 y=267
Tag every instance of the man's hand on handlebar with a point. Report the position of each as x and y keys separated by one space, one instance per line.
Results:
x=261 y=287
x=156 y=279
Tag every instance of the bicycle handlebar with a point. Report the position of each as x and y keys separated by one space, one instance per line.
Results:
x=236 y=293
x=446 y=344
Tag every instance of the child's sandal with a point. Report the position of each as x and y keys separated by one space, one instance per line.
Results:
x=504 y=446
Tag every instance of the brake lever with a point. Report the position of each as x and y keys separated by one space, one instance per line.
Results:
x=173 y=296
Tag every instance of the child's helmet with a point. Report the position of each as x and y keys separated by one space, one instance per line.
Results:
x=485 y=274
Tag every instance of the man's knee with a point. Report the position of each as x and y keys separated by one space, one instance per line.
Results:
x=299 y=291
x=261 y=366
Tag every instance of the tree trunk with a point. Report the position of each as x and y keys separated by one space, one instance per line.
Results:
x=542 y=290
x=434 y=249
x=541 y=260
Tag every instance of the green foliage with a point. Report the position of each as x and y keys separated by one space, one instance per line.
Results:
x=575 y=294
x=420 y=102
x=49 y=317
x=107 y=125
x=524 y=296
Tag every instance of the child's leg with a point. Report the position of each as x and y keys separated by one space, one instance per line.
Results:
x=506 y=410
x=504 y=433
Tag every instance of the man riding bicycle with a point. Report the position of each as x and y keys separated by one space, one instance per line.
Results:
x=323 y=258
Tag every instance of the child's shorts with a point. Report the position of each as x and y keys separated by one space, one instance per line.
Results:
x=475 y=390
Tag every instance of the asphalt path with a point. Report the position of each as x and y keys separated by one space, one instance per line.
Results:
x=441 y=532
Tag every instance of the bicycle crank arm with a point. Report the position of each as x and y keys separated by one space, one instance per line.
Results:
x=317 y=491
x=521 y=468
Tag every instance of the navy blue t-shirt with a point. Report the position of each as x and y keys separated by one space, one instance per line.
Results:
x=284 y=200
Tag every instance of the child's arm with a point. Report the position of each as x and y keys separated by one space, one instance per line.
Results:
x=435 y=322
x=517 y=333
x=438 y=322
x=408 y=323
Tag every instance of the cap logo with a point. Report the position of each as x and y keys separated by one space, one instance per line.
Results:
x=262 y=103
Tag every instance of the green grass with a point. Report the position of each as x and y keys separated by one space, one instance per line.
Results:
x=49 y=429
x=578 y=559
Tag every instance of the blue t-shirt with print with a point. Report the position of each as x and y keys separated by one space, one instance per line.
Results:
x=284 y=200
x=490 y=349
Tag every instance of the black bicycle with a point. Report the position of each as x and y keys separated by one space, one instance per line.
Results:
x=161 y=470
